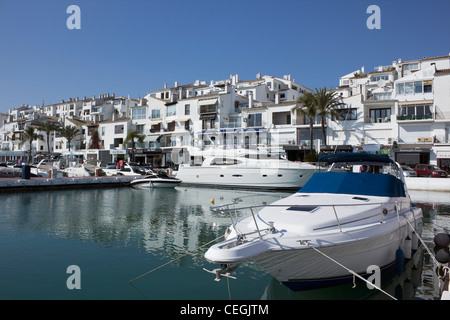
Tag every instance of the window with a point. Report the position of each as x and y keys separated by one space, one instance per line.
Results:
x=119 y=129
x=280 y=118
x=377 y=78
x=156 y=114
x=380 y=115
x=409 y=88
x=346 y=114
x=415 y=112
x=209 y=108
x=416 y=87
x=382 y=96
x=140 y=128
x=171 y=110
x=411 y=66
x=427 y=86
x=187 y=109
x=254 y=120
x=138 y=113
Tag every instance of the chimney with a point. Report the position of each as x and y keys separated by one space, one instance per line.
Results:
x=250 y=99
x=176 y=84
x=258 y=76
x=165 y=85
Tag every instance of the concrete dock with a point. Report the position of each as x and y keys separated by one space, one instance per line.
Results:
x=34 y=183
x=428 y=184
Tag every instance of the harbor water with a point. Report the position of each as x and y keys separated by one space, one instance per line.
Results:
x=156 y=239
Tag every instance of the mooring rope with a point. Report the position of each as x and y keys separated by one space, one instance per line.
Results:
x=423 y=243
x=351 y=271
x=165 y=264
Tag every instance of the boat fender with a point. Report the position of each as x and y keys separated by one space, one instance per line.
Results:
x=408 y=245
x=442 y=239
x=442 y=255
x=415 y=241
x=399 y=261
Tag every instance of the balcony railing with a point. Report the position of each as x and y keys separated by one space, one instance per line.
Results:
x=415 y=117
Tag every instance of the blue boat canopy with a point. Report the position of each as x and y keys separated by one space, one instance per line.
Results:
x=355 y=157
x=369 y=184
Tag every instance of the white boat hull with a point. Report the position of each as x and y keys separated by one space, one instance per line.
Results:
x=245 y=177
x=307 y=268
x=156 y=184
x=370 y=239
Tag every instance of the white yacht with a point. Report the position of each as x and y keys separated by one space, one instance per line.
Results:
x=244 y=169
x=339 y=224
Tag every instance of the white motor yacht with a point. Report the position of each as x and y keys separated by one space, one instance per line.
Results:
x=339 y=224
x=244 y=169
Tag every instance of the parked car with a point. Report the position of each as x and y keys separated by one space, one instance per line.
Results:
x=429 y=170
x=409 y=172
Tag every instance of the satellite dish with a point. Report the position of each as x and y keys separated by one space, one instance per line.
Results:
x=381 y=83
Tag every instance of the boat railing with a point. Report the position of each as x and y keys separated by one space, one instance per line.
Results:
x=232 y=210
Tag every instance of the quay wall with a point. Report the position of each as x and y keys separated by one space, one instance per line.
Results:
x=428 y=184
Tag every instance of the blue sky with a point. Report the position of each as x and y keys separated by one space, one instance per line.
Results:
x=132 y=47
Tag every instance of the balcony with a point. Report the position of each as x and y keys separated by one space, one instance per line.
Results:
x=415 y=117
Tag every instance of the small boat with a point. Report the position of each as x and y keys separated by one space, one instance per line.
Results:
x=127 y=170
x=156 y=180
x=340 y=224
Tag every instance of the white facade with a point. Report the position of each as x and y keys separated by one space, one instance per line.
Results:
x=402 y=109
x=404 y=106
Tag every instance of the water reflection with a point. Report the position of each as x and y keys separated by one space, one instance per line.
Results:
x=169 y=221
x=166 y=224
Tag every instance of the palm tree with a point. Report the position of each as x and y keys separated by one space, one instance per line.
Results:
x=307 y=108
x=30 y=134
x=70 y=132
x=132 y=136
x=48 y=127
x=326 y=102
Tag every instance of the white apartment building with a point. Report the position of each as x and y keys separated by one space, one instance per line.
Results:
x=101 y=108
x=225 y=113
x=403 y=109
